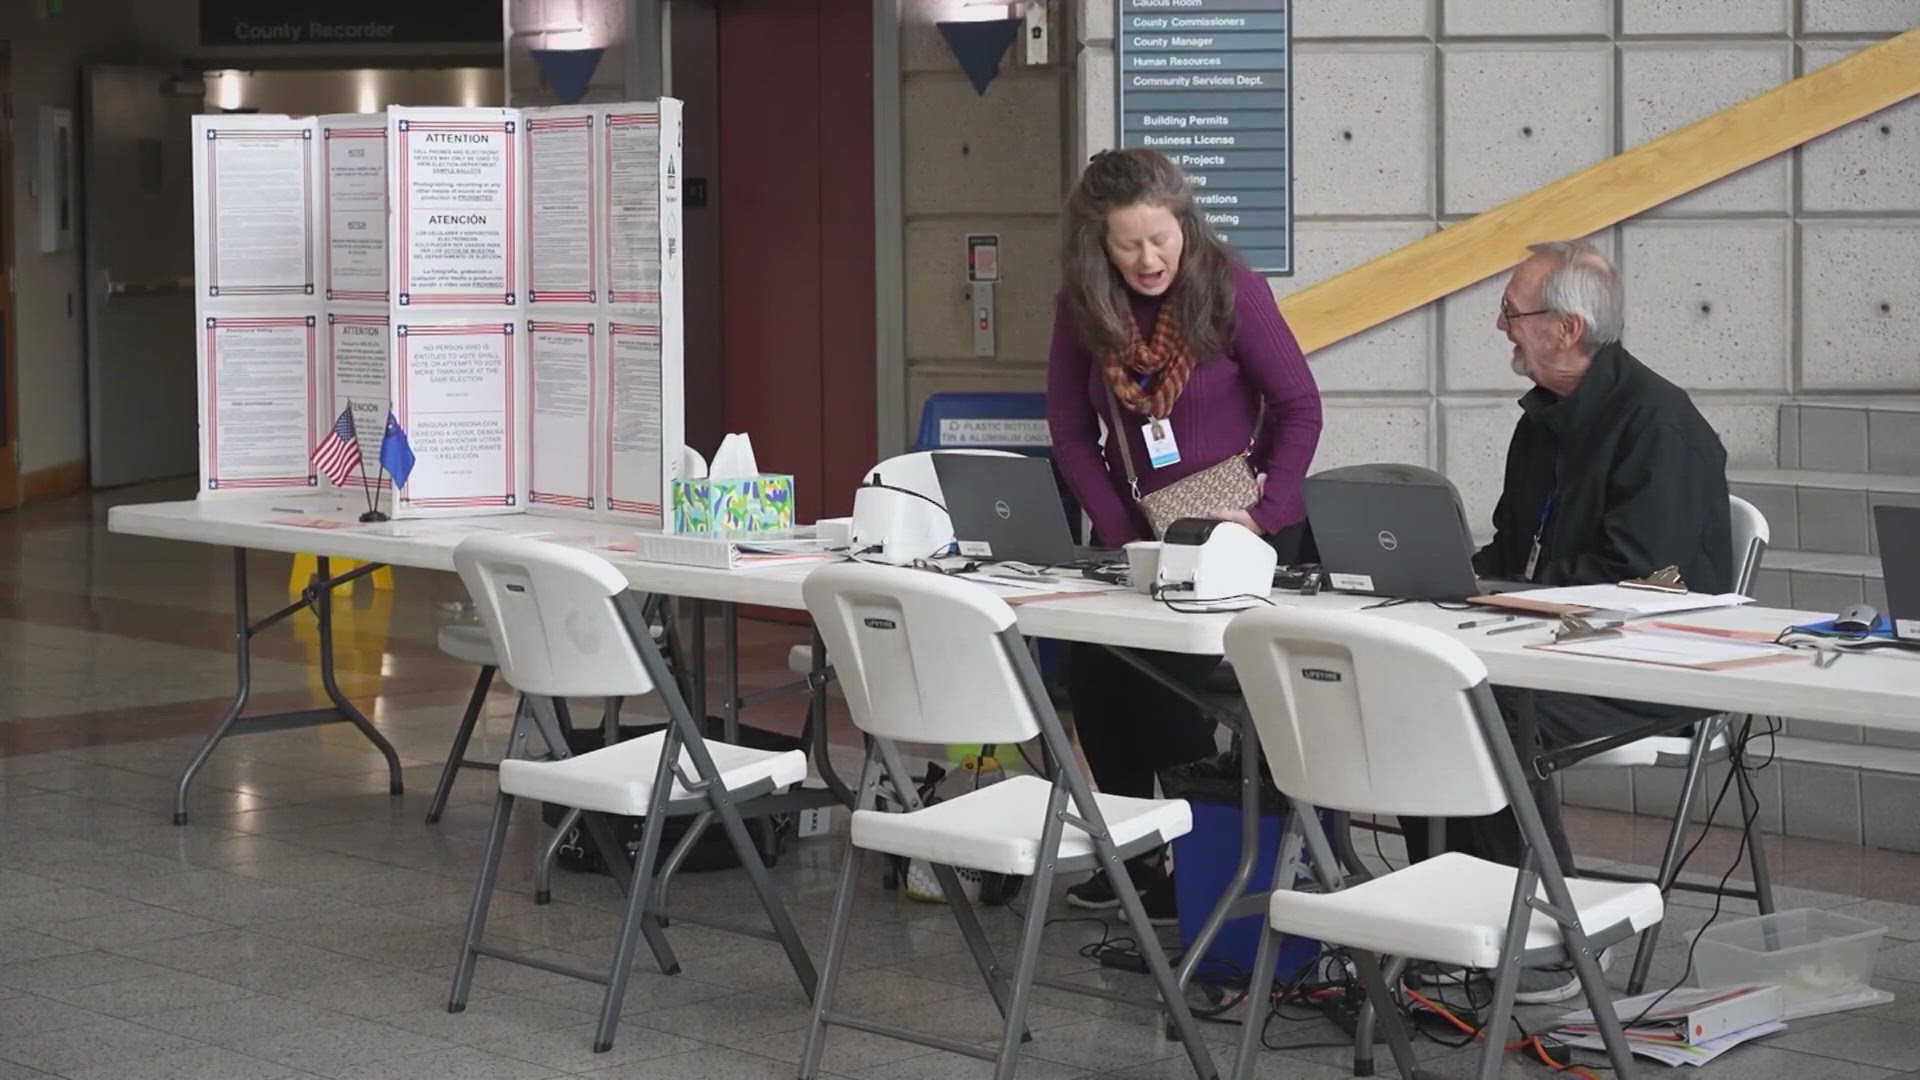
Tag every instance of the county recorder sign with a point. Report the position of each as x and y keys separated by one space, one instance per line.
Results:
x=1207 y=82
x=310 y=23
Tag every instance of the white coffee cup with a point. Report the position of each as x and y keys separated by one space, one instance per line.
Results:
x=1143 y=564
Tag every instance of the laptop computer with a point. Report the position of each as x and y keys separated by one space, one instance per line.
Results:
x=1009 y=509
x=1396 y=531
x=1897 y=528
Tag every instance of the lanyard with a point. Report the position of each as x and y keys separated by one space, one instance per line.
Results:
x=1540 y=529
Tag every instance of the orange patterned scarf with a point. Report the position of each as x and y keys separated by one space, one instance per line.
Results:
x=1166 y=361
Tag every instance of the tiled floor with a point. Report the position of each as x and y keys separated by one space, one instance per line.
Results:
x=306 y=923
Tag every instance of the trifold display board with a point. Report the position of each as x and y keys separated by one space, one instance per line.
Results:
x=505 y=282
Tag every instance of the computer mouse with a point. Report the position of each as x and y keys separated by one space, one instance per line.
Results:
x=1857 y=620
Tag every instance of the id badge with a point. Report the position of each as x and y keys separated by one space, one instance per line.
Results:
x=1533 y=559
x=1162 y=451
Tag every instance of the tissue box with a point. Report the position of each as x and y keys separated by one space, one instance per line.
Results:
x=733 y=506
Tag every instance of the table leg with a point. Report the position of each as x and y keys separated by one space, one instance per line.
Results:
x=730 y=661
x=318 y=597
x=243 y=684
x=323 y=612
x=697 y=661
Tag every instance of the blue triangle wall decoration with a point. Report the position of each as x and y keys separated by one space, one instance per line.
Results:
x=568 y=71
x=979 y=46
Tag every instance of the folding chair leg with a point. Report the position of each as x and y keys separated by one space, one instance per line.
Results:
x=1171 y=993
x=482 y=898
x=1519 y=917
x=543 y=866
x=1593 y=983
x=1036 y=921
x=770 y=897
x=976 y=938
x=1676 y=843
x=843 y=901
x=457 y=756
x=843 y=898
x=1259 y=992
x=1379 y=995
x=637 y=893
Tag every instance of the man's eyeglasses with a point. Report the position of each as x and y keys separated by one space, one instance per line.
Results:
x=1509 y=314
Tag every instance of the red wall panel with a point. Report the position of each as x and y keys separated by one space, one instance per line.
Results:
x=796 y=240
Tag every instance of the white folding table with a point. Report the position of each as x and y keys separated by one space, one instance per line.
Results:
x=1879 y=691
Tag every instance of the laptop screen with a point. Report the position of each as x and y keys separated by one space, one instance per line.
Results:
x=1897 y=528
x=1391 y=530
x=1005 y=508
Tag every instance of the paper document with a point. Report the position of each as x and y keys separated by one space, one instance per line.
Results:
x=1689 y=1026
x=1577 y=599
x=1674 y=1053
x=1674 y=648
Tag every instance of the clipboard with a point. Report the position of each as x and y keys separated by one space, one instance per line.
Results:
x=1672 y=648
x=1666 y=580
x=1636 y=598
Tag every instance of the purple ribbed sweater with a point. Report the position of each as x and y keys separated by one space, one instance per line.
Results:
x=1212 y=420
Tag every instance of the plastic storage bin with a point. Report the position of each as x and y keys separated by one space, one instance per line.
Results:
x=1807 y=953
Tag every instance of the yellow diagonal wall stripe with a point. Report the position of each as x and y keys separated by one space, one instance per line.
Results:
x=1607 y=193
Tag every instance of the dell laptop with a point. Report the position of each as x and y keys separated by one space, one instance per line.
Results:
x=1009 y=509
x=1897 y=529
x=1395 y=531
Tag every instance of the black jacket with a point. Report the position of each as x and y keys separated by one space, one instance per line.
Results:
x=1642 y=484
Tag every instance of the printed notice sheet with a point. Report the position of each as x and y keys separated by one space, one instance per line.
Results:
x=259 y=377
x=358 y=360
x=457 y=395
x=253 y=181
x=635 y=436
x=633 y=205
x=456 y=225
x=562 y=263
x=561 y=357
x=353 y=197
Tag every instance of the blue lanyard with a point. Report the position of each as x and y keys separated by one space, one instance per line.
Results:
x=1546 y=511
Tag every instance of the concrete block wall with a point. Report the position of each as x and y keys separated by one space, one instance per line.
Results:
x=1796 y=276
x=994 y=162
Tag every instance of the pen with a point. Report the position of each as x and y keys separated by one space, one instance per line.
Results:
x=284 y=510
x=1511 y=629
x=1475 y=624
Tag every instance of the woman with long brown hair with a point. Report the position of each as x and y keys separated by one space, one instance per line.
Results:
x=1161 y=332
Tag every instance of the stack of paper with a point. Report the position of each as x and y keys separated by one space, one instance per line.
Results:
x=1687 y=1026
x=724 y=554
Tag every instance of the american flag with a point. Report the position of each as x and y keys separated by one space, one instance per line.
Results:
x=339 y=453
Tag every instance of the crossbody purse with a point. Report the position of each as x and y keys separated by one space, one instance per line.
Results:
x=1229 y=485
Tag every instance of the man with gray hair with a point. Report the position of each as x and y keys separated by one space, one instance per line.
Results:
x=1612 y=474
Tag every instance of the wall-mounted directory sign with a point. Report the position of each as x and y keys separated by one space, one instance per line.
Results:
x=1208 y=83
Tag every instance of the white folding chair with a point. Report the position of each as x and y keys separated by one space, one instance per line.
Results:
x=1708 y=745
x=1372 y=716
x=926 y=658
x=469 y=644
x=563 y=624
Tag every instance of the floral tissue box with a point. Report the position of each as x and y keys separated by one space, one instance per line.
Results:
x=737 y=506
